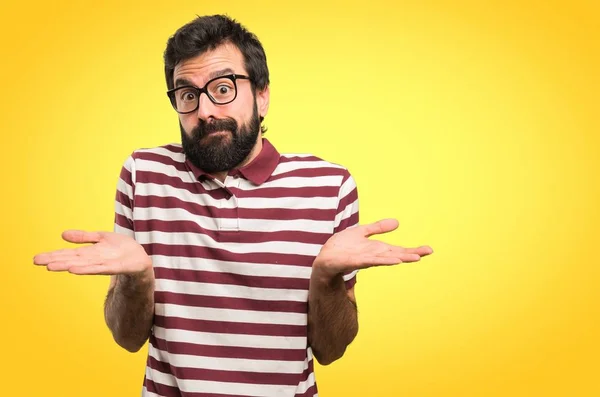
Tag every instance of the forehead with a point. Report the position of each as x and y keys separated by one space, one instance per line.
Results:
x=202 y=67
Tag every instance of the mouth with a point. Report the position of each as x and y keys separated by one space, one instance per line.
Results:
x=217 y=132
x=211 y=133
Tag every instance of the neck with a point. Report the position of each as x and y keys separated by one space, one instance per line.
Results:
x=220 y=176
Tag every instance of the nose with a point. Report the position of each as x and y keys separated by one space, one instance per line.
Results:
x=206 y=109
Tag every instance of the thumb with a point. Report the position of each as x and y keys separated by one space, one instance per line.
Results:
x=81 y=236
x=380 y=227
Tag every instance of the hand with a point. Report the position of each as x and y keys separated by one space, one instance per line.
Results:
x=111 y=253
x=351 y=249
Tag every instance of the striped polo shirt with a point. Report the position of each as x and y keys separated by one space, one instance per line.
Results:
x=232 y=262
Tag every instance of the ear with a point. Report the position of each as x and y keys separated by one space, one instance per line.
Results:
x=262 y=101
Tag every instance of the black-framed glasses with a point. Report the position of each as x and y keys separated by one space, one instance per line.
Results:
x=220 y=90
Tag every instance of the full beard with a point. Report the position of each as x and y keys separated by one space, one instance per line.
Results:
x=216 y=153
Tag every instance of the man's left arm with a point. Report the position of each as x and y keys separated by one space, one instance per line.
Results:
x=332 y=310
x=332 y=317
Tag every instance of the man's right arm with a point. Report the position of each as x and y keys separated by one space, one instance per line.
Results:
x=129 y=305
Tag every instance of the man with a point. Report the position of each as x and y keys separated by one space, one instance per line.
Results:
x=237 y=263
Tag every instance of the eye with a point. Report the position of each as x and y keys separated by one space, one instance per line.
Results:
x=223 y=89
x=187 y=95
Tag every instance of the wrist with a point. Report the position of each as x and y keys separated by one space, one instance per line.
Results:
x=322 y=279
x=137 y=280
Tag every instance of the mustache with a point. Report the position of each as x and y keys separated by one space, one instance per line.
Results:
x=204 y=128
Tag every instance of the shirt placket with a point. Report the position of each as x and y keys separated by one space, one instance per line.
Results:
x=230 y=223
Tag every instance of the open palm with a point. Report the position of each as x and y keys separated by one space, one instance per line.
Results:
x=111 y=253
x=352 y=249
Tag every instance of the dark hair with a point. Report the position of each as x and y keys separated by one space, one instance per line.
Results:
x=208 y=32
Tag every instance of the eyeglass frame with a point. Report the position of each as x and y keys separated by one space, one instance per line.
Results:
x=233 y=77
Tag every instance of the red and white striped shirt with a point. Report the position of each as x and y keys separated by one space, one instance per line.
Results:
x=232 y=263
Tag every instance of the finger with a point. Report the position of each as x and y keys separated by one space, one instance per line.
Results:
x=64 y=255
x=424 y=250
x=42 y=258
x=380 y=227
x=52 y=256
x=407 y=258
x=61 y=266
x=421 y=251
x=81 y=236
x=377 y=261
x=385 y=259
x=381 y=249
x=400 y=256
x=109 y=267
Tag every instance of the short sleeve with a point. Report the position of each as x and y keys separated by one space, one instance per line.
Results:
x=347 y=215
x=124 y=200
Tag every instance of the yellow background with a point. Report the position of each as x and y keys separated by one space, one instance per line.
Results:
x=473 y=123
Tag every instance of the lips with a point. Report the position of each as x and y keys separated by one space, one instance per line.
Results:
x=217 y=132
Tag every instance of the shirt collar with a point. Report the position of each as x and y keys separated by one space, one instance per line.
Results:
x=257 y=171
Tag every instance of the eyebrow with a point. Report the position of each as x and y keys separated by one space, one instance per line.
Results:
x=182 y=81
x=221 y=72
